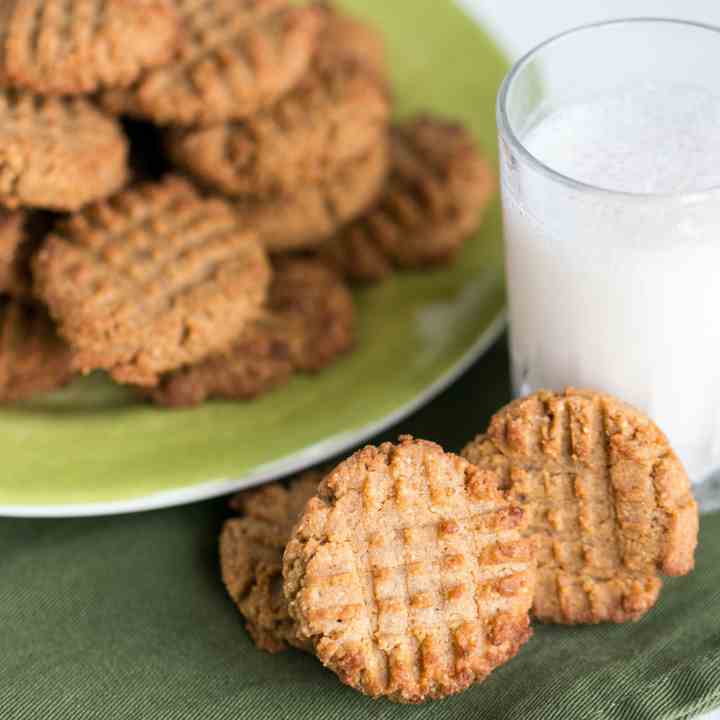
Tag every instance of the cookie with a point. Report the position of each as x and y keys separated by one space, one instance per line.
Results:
x=33 y=359
x=154 y=278
x=58 y=47
x=608 y=502
x=347 y=36
x=21 y=233
x=308 y=324
x=237 y=57
x=409 y=574
x=317 y=309
x=438 y=186
x=311 y=214
x=57 y=153
x=337 y=113
x=251 y=550
x=254 y=365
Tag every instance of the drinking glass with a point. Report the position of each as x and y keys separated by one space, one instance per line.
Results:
x=609 y=289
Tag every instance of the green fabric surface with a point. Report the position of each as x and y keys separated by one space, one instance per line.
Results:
x=126 y=618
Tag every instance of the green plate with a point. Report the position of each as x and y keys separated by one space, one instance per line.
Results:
x=92 y=449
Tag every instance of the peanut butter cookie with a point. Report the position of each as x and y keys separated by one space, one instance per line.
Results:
x=33 y=359
x=308 y=323
x=57 y=153
x=59 y=47
x=347 y=36
x=336 y=114
x=409 y=574
x=152 y=279
x=309 y=215
x=251 y=550
x=438 y=186
x=236 y=58
x=608 y=502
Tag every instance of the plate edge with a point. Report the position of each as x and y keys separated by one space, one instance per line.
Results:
x=311 y=455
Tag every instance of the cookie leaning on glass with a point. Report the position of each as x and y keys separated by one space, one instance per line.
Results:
x=609 y=504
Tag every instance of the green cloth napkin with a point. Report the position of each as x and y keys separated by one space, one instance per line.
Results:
x=126 y=618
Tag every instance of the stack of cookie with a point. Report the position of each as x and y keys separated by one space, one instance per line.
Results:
x=412 y=573
x=214 y=259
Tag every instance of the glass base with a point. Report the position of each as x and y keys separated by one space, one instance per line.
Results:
x=707 y=493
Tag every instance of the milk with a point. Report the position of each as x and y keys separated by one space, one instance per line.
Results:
x=621 y=292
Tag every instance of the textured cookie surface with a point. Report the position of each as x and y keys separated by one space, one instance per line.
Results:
x=60 y=47
x=152 y=279
x=438 y=186
x=33 y=359
x=309 y=215
x=409 y=574
x=317 y=310
x=57 y=153
x=336 y=114
x=347 y=36
x=236 y=57
x=255 y=364
x=21 y=233
x=309 y=321
x=251 y=550
x=608 y=502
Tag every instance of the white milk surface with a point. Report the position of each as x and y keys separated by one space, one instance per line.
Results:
x=621 y=292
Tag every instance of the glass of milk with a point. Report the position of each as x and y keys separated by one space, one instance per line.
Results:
x=610 y=155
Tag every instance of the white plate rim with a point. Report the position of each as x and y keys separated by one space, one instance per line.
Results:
x=295 y=462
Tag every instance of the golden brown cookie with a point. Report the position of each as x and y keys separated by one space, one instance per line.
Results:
x=608 y=502
x=251 y=550
x=337 y=114
x=409 y=574
x=309 y=322
x=21 y=232
x=309 y=215
x=59 y=47
x=255 y=364
x=237 y=57
x=33 y=359
x=438 y=186
x=317 y=309
x=57 y=153
x=154 y=278
x=345 y=35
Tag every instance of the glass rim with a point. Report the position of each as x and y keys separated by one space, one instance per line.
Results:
x=506 y=130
